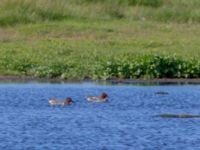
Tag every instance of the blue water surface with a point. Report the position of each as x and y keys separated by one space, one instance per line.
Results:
x=127 y=122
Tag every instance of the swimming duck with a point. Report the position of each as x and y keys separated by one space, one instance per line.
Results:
x=67 y=101
x=179 y=116
x=161 y=93
x=102 y=98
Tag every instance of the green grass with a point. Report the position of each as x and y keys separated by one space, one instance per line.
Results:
x=76 y=49
x=14 y=12
x=100 y=39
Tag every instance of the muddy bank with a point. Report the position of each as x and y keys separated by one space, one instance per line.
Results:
x=131 y=81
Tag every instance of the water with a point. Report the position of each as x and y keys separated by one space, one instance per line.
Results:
x=126 y=122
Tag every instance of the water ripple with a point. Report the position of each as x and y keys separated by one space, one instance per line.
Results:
x=127 y=121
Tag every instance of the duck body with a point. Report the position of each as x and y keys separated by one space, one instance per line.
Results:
x=102 y=98
x=96 y=99
x=54 y=102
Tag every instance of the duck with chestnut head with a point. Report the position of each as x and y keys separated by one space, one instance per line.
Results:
x=67 y=101
x=102 y=98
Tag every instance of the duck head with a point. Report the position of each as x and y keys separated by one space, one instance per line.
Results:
x=68 y=101
x=103 y=95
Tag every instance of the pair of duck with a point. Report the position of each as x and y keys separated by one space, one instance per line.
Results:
x=68 y=101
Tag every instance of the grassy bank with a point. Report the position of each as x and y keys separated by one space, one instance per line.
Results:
x=31 y=11
x=100 y=39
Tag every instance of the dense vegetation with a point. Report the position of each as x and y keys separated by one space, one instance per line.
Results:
x=100 y=39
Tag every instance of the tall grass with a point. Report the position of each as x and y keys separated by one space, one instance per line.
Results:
x=31 y=11
x=153 y=3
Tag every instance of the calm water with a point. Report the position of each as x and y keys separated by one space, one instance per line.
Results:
x=126 y=122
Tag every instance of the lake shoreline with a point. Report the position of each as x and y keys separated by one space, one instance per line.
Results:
x=133 y=81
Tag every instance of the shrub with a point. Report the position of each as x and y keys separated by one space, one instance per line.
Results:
x=148 y=66
x=153 y=3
